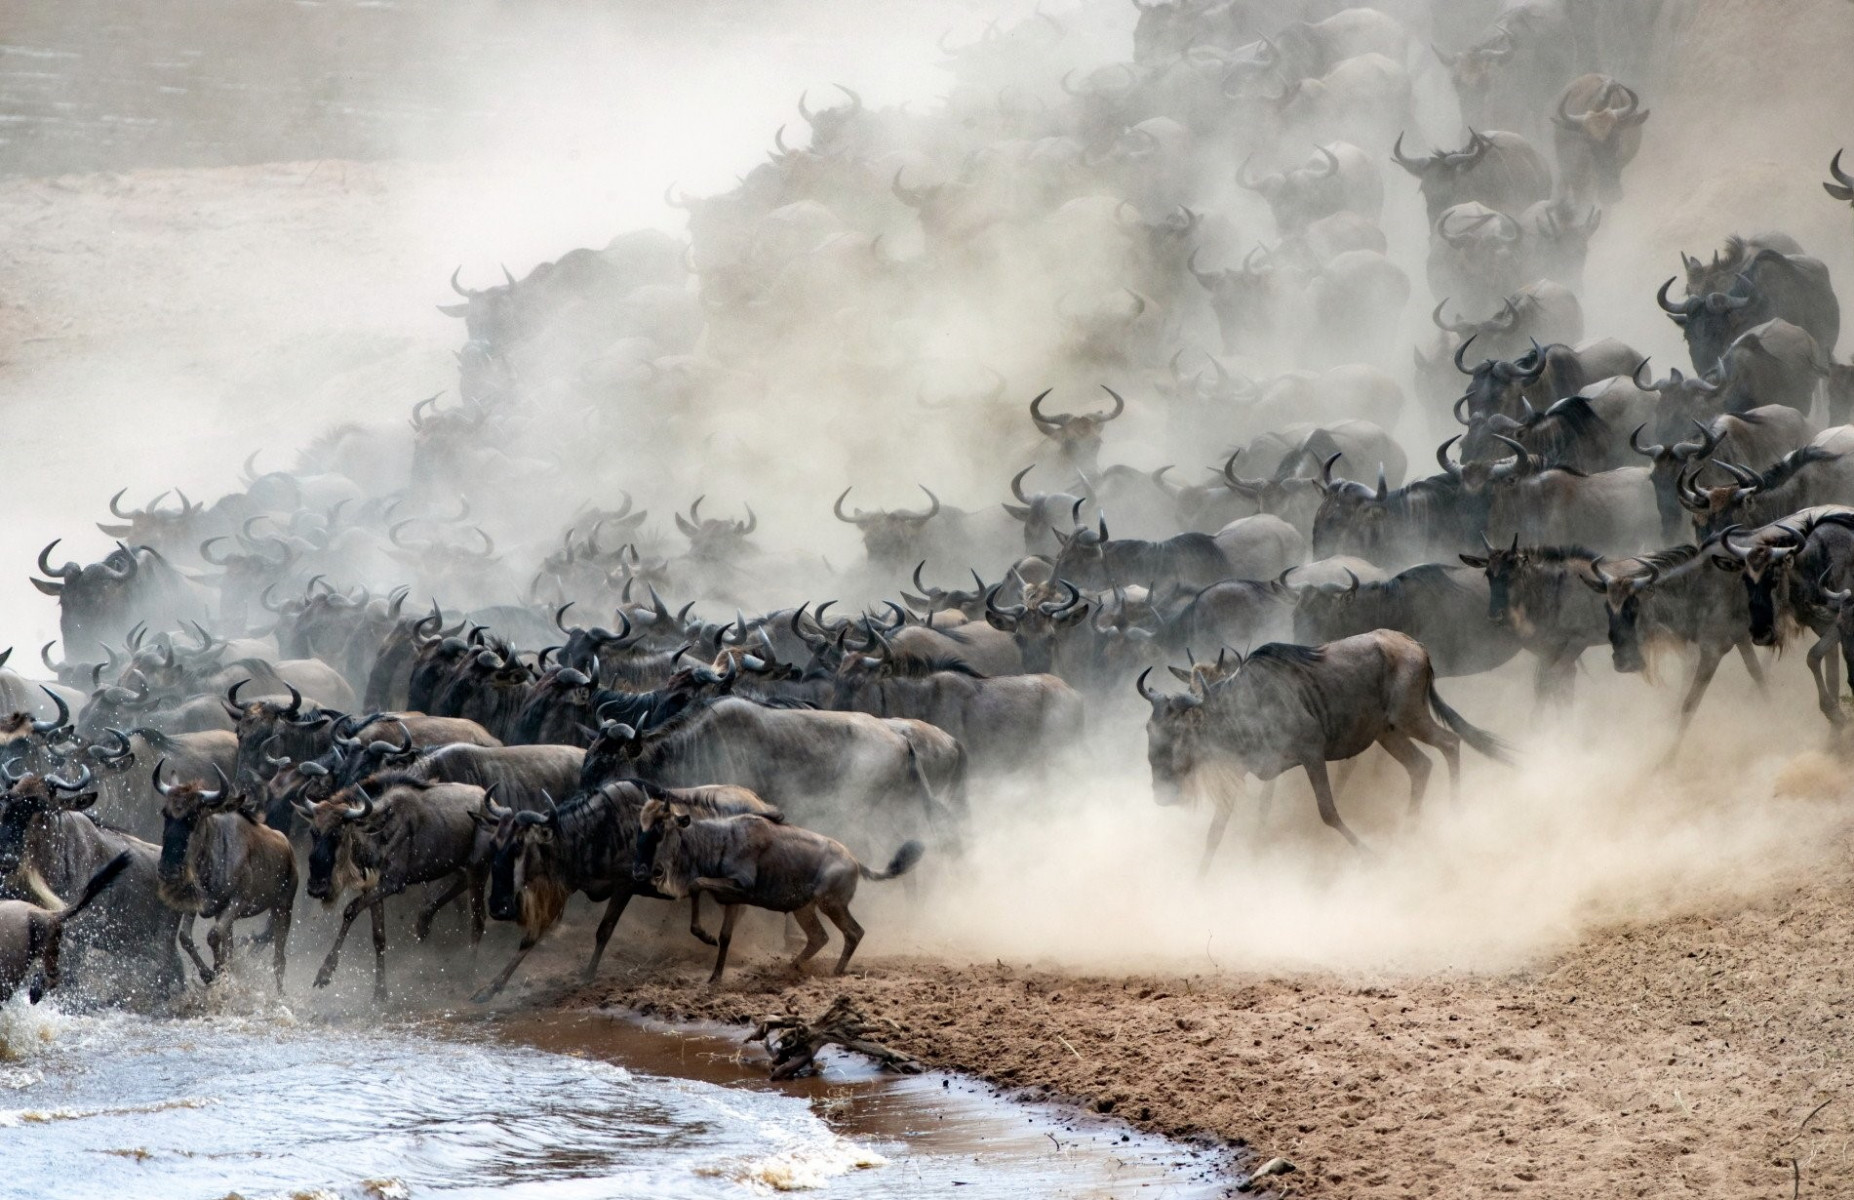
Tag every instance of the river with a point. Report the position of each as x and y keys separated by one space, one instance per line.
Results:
x=577 y=1106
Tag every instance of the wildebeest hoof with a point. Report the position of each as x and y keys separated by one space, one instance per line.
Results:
x=483 y=995
x=704 y=937
x=322 y=978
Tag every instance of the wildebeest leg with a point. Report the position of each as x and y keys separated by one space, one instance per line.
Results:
x=1753 y=668
x=695 y=921
x=839 y=914
x=219 y=938
x=729 y=915
x=1346 y=767
x=1414 y=761
x=1218 y=821
x=528 y=942
x=815 y=937
x=421 y=928
x=614 y=908
x=379 y=948
x=348 y=915
x=1323 y=796
x=479 y=912
x=279 y=941
x=1264 y=802
x=185 y=937
x=1827 y=676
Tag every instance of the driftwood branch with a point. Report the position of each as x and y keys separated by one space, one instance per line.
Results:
x=794 y=1043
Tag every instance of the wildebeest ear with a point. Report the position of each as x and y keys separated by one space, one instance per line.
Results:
x=1473 y=560
x=1180 y=674
x=1018 y=511
x=682 y=820
x=1726 y=562
x=80 y=801
x=1001 y=622
x=454 y=310
x=1595 y=585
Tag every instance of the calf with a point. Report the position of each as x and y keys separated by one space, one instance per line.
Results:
x=749 y=859
x=219 y=863
x=30 y=933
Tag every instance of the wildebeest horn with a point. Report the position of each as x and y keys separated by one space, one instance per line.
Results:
x=1120 y=405
x=1843 y=187
x=1017 y=484
x=166 y=789
x=837 y=509
x=365 y=809
x=1145 y=693
x=1413 y=165
x=1036 y=415
x=1462 y=350
x=84 y=776
x=45 y=568
x=1837 y=598
x=1746 y=478
x=991 y=603
x=1326 y=469
x=1651 y=451
x=296 y=701
x=63 y=717
x=1522 y=458
x=1683 y=309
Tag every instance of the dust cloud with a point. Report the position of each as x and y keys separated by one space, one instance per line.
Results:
x=167 y=320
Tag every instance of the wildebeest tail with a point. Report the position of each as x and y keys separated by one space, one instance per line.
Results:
x=903 y=862
x=1480 y=739
x=105 y=876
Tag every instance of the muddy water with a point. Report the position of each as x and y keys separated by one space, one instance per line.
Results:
x=557 y=1106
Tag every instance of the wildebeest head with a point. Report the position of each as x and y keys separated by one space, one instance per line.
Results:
x=29 y=796
x=96 y=603
x=1176 y=739
x=1711 y=319
x=892 y=538
x=26 y=741
x=931 y=599
x=1077 y=436
x=491 y=315
x=1439 y=175
x=152 y=525
x=331 y=824
x=1624 y=595
x=524 y=880
x=1500 y=564
x=1037 y=626
x=1667 y=464
x=1298 y=196
x=273 y=727
x=1602 y=127
x=713 y=539
x=1474 y=70
x=1764 y=569
x=1042 y=512
x=1497 y=386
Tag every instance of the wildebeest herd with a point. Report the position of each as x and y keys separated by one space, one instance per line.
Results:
x=1183 y=252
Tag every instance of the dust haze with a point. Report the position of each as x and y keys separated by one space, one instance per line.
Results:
x=165 y=318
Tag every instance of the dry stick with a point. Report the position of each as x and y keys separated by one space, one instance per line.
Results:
x=1818 y=1108
x=1796 y=1187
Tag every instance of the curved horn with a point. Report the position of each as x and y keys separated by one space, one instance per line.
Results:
x=63 y=717
x=1036 y=415
x=1120 y=405
x=1635 y=443
x=837 y=509
x=1017 y=484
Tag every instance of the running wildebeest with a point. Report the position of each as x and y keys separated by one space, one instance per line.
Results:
x=1291 y=706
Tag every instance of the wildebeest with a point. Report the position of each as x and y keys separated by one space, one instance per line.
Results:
x=1596 y=129
x=1291 y=706
x=1753 y=282
x=43 y=828
x=32 y=933
x=1442 y=607
x=1077 y=435
x=1498 y=169
x=1005 y=723
x=1789 y=569
x=1336 y=178
x=414 y=832
x=849 y=771
x=99 y=603
x=1674 y=596
x=1540 y=593
x=586 y=844
x=220 y=863
x=750 y=860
